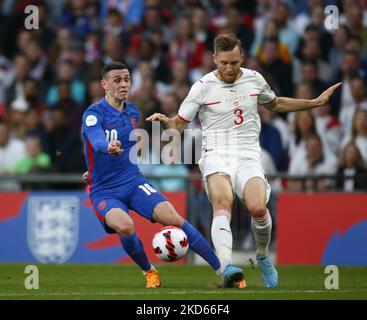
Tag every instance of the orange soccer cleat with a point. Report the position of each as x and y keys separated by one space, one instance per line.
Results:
x=240 y=284
x=153 y=279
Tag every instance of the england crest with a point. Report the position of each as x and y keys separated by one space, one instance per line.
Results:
x=53 y=224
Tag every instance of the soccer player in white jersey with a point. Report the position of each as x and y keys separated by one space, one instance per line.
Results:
x=226 y=100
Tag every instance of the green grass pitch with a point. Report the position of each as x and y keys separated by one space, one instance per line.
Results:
x=179 y=282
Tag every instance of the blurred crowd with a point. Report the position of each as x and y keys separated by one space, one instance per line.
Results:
x=50 y=75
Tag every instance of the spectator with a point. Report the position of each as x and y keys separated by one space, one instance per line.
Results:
x=270 y=32
x=169 y=104
x=11 y=149
x=235 y=23
x=316 y=161
x=146 y=98
x=358 y=133
x=359 y=101
x=271 y=141
x=95 y=91
x=328 y=127
x=131 y=12
x=143 y=70
x=185 y=47
x=35 y=160
x=350 y=67
x=66 y=73
x=76 y=18
x=113 y=49
x=33 y=95
x=286 y=34
x=6 y=76
x=311 y=51
x=304 y=127
x=279 y=72
x=354 y=15
x=340 y=38
x=36 y=127
x=15 y=88
x=352 y=174
x=201 y=28
x=58 y=50
x=76 y=53
x=310 y=75
x=277 y=122
x=61 y=140
x=114 y=23
x=73 y=110
x=38 y=61
x=17 y=116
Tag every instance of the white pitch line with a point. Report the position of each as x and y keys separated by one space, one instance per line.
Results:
x=12 y=294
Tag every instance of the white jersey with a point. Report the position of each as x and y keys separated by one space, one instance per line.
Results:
x=228 y=112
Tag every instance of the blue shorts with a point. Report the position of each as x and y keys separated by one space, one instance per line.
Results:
x=139 y=195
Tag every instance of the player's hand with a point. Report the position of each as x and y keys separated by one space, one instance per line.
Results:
x=325 y=96
x=158 y=117
x=86 y=177
x=114 y=148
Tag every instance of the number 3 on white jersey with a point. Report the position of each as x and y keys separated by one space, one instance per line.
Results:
x=147 y=189
x=239 y=116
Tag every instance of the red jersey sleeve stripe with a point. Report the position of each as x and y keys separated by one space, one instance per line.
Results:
x=91 y=162
x=183 y=119
x=99 y=216
x=212 y=103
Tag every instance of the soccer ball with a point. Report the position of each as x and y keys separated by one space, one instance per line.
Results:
x=170 y=244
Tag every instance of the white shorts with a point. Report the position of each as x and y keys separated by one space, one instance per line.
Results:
x=240 y=171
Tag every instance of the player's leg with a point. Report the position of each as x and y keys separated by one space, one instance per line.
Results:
x=166 y=214
x=113 y=215
x=121 y=222
x=151 y=204
x=221 y=196
x=255 y=198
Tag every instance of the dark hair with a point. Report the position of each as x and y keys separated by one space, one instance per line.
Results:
x=344 y=152
x=297 y=131
x=113 y=66
x=226 y=42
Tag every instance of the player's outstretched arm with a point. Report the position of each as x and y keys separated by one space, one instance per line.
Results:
x=284 y=104
x=168 y=123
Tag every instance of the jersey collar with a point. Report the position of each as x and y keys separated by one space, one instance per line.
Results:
x=113 y=110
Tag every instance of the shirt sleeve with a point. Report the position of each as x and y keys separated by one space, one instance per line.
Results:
x=266 y=94
x=92 y=127
x=190 y=106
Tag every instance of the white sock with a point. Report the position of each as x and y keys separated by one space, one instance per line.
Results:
x=222 y=239
x=152 y=268
x=261 y=228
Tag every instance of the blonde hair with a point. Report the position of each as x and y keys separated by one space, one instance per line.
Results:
x=226 y=42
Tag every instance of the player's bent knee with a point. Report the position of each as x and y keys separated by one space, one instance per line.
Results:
x=172 y=219
x=166 y=214
x=257 y=210
x=222 y=204
x=125 y=229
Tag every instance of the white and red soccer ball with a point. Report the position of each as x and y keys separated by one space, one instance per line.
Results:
x=170 y=244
